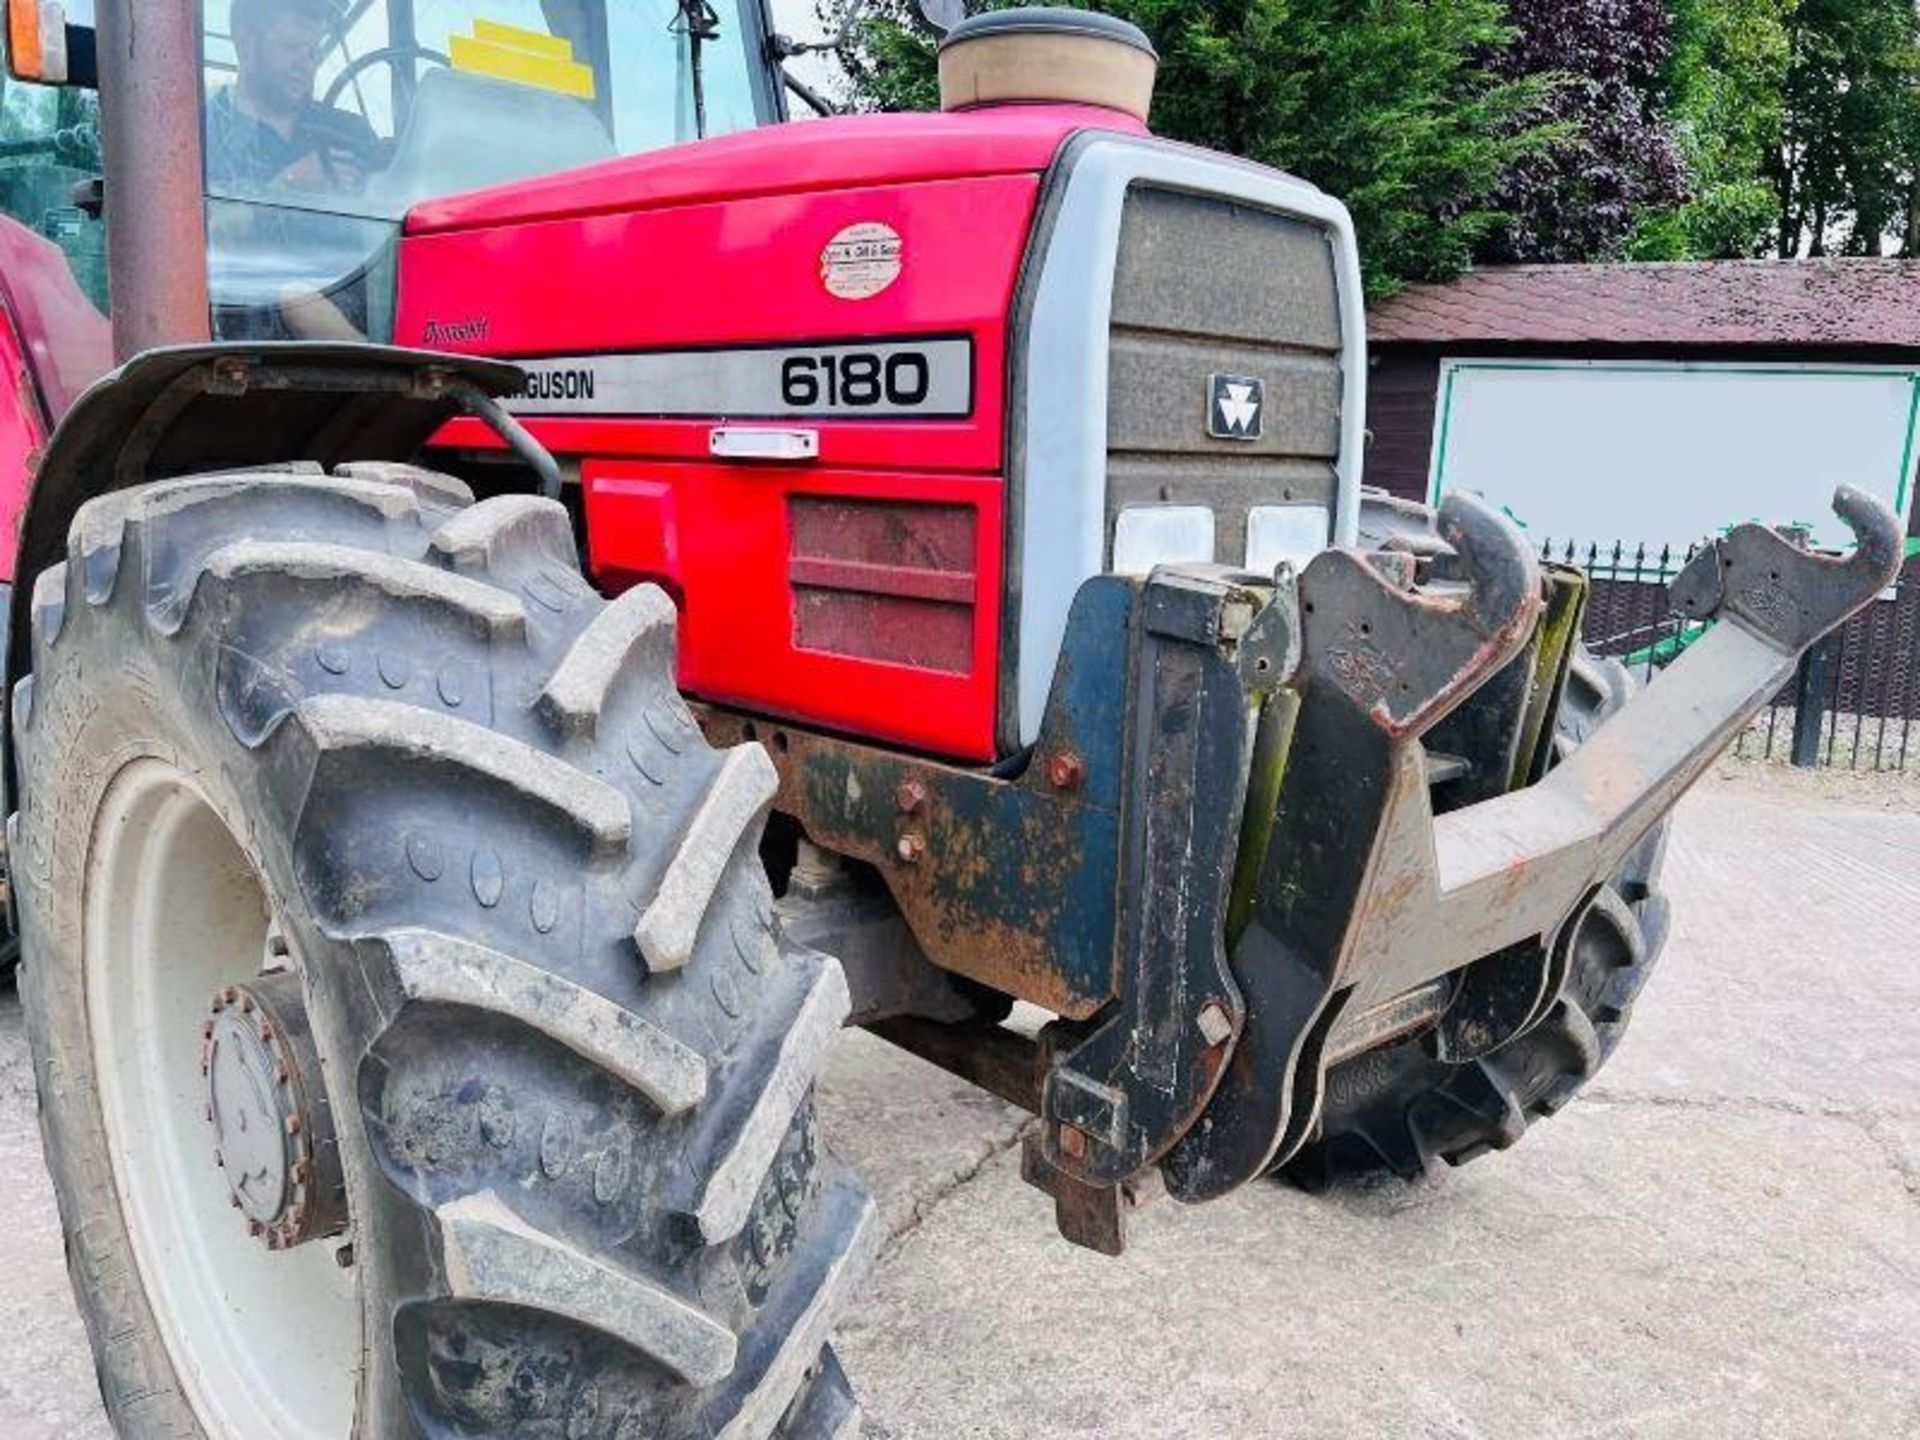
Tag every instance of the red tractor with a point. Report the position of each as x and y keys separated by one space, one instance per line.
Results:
x=576 y=591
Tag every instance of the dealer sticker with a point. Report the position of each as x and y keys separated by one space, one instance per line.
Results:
x=861 y=261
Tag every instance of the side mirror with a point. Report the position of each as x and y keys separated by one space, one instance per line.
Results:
x=50 y=42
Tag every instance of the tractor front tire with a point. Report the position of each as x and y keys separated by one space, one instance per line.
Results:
x=1402 y=1109
x=352 y=758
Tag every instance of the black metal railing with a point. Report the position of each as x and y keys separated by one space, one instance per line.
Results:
x=1855 y=701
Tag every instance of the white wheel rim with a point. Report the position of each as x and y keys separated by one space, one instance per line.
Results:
x=263 y=1343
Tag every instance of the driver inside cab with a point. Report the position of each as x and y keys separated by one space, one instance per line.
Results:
x=266 y=130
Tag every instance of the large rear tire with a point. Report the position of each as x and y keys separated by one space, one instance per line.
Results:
x=357 y=730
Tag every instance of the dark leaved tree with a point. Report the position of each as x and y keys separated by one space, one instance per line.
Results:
x=1614 y=157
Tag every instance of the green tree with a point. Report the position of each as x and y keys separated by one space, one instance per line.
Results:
x=1393 y=105
x=1726 y=88
x=1847 y=165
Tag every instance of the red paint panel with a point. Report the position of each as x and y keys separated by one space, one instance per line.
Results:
x=68 y=341
x=965 y=445
x=720 y=244
x=744 y=273
x=858 y=150
x=21 y=434
x=723 y=540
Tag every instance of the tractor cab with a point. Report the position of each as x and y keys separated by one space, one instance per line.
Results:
x=324 y=123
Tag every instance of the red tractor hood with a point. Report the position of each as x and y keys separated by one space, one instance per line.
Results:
x=860 y=586
x=855 y=150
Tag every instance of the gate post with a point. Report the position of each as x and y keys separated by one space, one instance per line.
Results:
x=1816 y=672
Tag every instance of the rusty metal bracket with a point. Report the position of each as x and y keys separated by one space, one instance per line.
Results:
x=1222 y=865
x=1382 y=664
x=1093 y=1217
x=1120 y=1093
x=1367 y=895
x=1095 y=882
x=1009 y=880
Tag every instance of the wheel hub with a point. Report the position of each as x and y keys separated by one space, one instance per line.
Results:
x=267 y=1102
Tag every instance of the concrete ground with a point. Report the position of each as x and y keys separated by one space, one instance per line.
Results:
x=1723 y=1240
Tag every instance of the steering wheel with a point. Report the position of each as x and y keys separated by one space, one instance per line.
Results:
x=385 y=55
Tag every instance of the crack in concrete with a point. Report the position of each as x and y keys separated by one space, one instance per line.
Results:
x=1908 y=1169
x=1750 y=1105
x=955 y=1181
x=1870 y=1121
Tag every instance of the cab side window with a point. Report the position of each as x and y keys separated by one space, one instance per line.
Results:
x=50 y=146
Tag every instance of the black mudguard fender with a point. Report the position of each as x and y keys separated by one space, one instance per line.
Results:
x=197 y=408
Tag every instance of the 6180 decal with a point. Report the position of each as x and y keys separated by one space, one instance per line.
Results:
x=856 y=378
x=917 y=379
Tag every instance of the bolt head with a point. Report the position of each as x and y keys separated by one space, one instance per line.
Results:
x=910 y=795
x=1215 y=1024
x=910 y=848
x=1066 y=770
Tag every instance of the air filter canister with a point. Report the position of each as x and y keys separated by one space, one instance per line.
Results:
x=1047 y=56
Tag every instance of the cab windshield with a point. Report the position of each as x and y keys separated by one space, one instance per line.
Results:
x=326 y=120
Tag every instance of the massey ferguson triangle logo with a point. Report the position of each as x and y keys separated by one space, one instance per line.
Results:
x=1234 y=403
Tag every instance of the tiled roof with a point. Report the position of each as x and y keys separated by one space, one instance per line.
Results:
x=1731 y=302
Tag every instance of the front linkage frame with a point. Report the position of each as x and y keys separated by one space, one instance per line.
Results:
x=1269 y=823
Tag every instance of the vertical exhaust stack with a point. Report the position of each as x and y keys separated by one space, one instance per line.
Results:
x=1047 y=56
x=149 y=58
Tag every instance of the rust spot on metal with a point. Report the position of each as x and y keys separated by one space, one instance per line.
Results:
x=910 y=796
x=1073 y=1142
x=1066 y=770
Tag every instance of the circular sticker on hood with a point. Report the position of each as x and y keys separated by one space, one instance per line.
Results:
x=861 y=261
